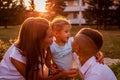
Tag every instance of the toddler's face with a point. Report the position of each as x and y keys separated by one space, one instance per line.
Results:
x=64 y=34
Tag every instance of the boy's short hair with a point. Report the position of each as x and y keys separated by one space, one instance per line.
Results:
x=58 y=22
x=94 y=35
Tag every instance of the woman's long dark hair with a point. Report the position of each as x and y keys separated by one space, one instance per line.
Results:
x=32 y=33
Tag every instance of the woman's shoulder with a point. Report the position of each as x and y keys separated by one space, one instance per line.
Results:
x=16 y=54
x=9 y=51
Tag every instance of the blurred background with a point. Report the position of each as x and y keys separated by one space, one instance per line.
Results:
x=103 y=15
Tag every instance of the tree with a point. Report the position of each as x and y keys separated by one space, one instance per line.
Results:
x=98 y=12
x=56 y=6
x=10 y=12
x=32 y=7
x=117 y=14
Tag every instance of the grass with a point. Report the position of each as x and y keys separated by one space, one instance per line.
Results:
x=116 y=70
x=111 y=46
x=10 y=33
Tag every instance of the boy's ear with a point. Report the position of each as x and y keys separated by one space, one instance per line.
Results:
x=78 y=48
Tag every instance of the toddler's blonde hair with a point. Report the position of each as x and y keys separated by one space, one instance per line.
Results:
x=58 y=23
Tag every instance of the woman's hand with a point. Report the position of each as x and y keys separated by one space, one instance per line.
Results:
x=99 y=57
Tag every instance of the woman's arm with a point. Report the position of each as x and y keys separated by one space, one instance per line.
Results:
x=19 y=66
x=68 y=73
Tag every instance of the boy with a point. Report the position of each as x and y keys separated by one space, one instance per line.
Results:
x=86 y=44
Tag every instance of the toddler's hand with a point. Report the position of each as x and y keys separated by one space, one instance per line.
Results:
x=99 y=57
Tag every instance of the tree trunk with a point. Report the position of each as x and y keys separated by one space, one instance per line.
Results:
x=5 y=26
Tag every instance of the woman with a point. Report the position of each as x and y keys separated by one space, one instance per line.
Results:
x=24 y=60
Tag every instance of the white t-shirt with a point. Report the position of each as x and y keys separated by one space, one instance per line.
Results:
x=62 y=55
x=93 y=70
x=7 y=69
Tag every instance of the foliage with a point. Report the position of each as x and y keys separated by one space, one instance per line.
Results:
x=32 y=6
x=11 y=12
x=116 y=70
x=117 y=14
x=3 y=47
x=100 y=12
x=56 y=6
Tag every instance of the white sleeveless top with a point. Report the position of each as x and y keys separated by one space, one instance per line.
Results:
x=7 y=69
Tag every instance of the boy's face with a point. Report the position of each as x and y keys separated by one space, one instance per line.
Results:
x=64 y=34
x=77 y=46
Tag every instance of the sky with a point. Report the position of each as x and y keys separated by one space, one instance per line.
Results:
x=39 y=5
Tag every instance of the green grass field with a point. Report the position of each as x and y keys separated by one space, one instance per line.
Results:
x=10 y=33
x=111 y=46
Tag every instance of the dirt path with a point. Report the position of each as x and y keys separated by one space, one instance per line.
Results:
x=110 y=61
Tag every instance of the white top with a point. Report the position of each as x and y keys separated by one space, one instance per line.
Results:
x=93 y=70
x=62 y=55
x=7 y=69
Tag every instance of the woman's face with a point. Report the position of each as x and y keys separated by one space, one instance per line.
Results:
x=48 y=39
